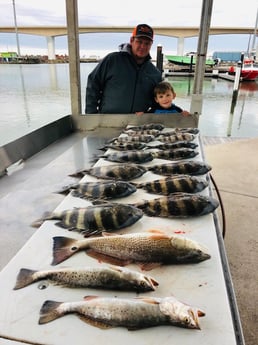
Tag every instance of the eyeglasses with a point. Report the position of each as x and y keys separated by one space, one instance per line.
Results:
x=146 y=43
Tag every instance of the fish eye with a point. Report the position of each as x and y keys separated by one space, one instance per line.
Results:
x=186 y=320
x=43 y=286
x=74 y=248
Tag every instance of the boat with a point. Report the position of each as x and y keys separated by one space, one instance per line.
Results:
x=249 y=70
x=187 y=60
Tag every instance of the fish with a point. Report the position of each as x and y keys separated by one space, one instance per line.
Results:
x=145 y=138
x=112 y=277
x=176 y=137
x=125 y=172
x=109 y=189
x=146 y=249
x=94 y=219
x=132 y=313
x=133 y=145
x=137 y=157
x=175 y=145
x=158 y=126
x=181 y=130
x=132 y=132
x=173 y=184
x=186 y=167
x=175 y=154
x=178 y=205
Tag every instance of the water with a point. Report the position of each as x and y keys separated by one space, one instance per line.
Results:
x=34 y=95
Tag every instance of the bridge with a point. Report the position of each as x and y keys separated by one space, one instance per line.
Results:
x=50 y=32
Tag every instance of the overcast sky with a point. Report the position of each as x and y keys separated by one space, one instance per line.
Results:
x=117 y=12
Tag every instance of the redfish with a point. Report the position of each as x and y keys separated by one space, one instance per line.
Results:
x=131 y=313
x=149 y=249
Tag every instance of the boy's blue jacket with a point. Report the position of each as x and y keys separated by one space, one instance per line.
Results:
x=159 y=110
x=118 y=85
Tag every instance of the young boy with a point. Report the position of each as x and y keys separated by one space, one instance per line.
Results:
x=164 y=95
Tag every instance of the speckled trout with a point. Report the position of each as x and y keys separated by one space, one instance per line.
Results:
x=131 y=313
x=112 y=277
x=147 y=249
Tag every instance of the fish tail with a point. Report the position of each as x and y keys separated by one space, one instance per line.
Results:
x=63 y=248
x=66 y=189
x=46 y=216
x=24 y=278
x=49 y=312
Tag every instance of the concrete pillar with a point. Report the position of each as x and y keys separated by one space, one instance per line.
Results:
x=51 y=47
x=180 y=45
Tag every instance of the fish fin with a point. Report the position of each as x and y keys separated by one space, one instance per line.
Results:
x=63 y=248
x=46 y=216
x=149 y=266
x=95 y=323
x=79 y=174
x=200 y=313
x=105 y=258
x=106 y=233
x=48 y=312
x=149 y=300
x=24 y=278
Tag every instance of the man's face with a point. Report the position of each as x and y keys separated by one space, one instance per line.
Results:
x=140 y=46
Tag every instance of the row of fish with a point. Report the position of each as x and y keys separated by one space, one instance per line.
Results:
x=178 y=189
x=130 y=171
x=103 y=216
x=115 y=189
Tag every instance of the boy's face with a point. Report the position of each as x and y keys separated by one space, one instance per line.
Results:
x=165 y=99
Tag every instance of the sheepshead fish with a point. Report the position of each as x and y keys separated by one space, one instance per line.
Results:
x=187 y=167
x=134 y=145
x=158 y=126
x=112 y=277
x=93 y=220
x=131 y=313
x=181 y=130
x=175 y=154
x=149 y=249
x=178 y=205
x=125 y=172
x=132 y=132
x=145 y=138
x=100 y=190
x=176 y=137
x=173 y=184
x=129 y=156
x=175 y=145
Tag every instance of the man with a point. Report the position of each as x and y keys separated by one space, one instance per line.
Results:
x=123 y=81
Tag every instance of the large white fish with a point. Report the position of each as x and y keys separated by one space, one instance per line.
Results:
x=131 y=313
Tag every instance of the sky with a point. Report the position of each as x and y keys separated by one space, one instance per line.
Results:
x=130 y=13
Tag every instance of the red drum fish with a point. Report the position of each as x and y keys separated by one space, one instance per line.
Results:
x=147 y=249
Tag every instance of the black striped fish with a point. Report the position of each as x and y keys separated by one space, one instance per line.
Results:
x=134 y=145
x=158 y=126
x=175 y=154
x=175 y=145
x=145 y=138
x=176 y=137
x=181 y=130
x=186 y=167
x=125 y=172
x=132 y=132
x=129 y=156
x=100 y=190
x=178 y=205
x=95 y=219
x=174 y=184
